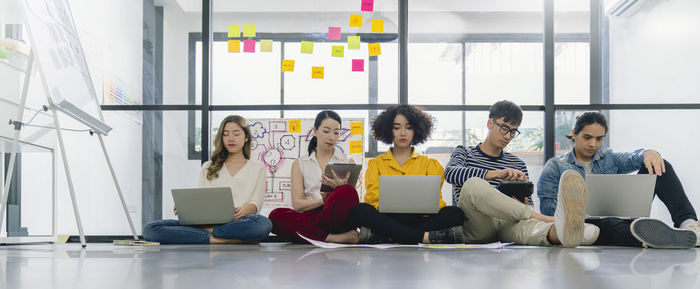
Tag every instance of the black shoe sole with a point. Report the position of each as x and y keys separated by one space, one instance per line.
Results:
x=656 y=234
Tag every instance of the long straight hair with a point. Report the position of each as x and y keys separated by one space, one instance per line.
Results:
x=220 y=153
x=320 y=117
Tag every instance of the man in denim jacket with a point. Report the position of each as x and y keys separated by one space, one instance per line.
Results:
x=586 y=157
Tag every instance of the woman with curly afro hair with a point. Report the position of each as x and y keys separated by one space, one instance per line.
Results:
x=404 y=126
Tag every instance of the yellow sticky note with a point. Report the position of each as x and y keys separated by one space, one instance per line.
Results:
x=295 y=125
x=317 y=72
x=355 y=20
x=378 y=26
x=234 y=46
x=374 y=49
x=355 y=146
x=234 y=30
x=356 y=128
x=307 y=47
x=287 y=65
x=249 y=30
x=353 y=42
x=265 y=45
x=62 y=238
x=338 y=51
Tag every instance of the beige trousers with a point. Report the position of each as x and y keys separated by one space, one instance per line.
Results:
x=493 y=216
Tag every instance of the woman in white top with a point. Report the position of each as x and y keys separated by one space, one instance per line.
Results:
x=230 y=166
x=318 y=215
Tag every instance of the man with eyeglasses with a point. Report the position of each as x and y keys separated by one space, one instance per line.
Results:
x=475 y=171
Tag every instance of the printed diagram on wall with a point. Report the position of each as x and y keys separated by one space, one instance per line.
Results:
x=276 y=143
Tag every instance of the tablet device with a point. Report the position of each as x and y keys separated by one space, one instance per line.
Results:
x=341 y=170
x=518 y=189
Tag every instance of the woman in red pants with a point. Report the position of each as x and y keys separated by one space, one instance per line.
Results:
x=317 y=215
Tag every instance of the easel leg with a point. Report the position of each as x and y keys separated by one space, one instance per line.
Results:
x=68 y=176
x=119 y=190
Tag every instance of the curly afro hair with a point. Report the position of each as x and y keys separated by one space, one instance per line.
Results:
x=383 y=124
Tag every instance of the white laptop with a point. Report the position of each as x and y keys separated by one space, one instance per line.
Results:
x=622 y=196
x=204 y=206
x=409 y=194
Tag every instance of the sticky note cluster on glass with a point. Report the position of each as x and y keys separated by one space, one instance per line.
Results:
x=249 y=30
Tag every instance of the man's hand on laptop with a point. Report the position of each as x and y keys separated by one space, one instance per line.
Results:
x=335 y=181
x=506 y=175
x=175 y=210
x=237 y=213
x=654 y=162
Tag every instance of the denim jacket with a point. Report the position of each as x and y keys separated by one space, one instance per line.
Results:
x=604 y=162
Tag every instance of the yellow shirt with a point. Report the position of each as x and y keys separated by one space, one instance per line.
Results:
x=385 y=164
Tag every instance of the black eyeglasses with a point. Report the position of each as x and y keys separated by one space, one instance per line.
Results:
x=514 y=132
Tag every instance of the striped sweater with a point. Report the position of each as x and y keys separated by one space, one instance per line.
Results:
x=471 y=162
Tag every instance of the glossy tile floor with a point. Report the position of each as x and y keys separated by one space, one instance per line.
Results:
x=106 y=266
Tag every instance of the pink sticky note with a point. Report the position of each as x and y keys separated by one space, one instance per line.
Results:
x=368 y=5
x=358 y=65
x=249 y=46
x=334 y=33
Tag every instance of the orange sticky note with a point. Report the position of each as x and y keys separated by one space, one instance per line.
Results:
x=295 y=125
x=374 y=49
x=317 y=72
x=307 y=47
x=355 y=20
x=265 y=45
x=234 y=30
x=234 y=46
x=287 y=65
x=356 y=128
x=378 y=26
x=355 y=146
x=249 y=30
x=353 y=42
x=338 y=51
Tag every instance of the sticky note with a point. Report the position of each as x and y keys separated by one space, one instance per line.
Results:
x=317 y=72
x=307 y=47
x=353 y=42
x=334 y=33
x=287 y=65
x=355 y=20
x=367 y=5
x=356 y=128
x=234 y=46
x=249 y=46
x=295 y=125
x=265 y=45
x=338 y=51
x=355 y=146
x=378 y=26
x=234 y=30
x=358 y=65
x=374 y=49
x=249 y=30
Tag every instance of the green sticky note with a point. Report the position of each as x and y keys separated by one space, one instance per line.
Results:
x=265 y=45
x=338 y=51
x=353 y=42
x=307 y=47
x=249 y=30
x=234 y=30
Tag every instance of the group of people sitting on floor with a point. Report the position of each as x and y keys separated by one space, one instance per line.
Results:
x=479 y=214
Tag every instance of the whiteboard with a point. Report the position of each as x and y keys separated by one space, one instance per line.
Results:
x=61 y=61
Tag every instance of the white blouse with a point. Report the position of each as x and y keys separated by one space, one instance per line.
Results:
x=311 y=171
x=247 y=186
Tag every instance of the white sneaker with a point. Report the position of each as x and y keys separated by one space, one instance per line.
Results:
x=570 y=213
x=590 y=234
x=695 y=227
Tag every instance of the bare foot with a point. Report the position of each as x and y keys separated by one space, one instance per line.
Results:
x=215 y=240
x=349 y=237
x=207 y=228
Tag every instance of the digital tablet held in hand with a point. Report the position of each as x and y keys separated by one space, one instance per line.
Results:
x=520 y=190
x=341 y=171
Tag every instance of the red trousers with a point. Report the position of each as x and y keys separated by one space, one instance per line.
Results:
x=332 y=218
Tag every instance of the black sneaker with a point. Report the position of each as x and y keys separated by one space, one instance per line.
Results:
x=447 y=236
x=656 y=234
x=367 y=237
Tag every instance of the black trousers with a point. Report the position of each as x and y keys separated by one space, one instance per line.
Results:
x=405 y=228
x=670 y=191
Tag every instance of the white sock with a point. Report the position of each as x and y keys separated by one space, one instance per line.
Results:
x=687 y=223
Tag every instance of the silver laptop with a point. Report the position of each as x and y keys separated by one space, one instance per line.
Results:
x=622 y=196
x=409 y=194
x=204 y=206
